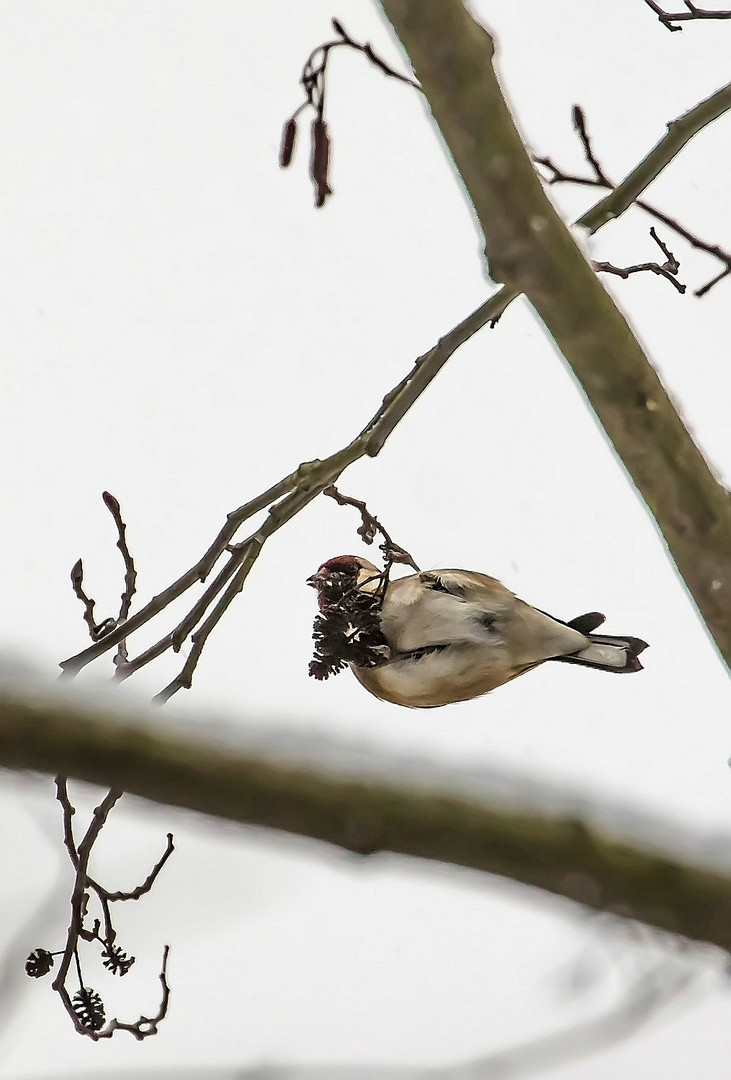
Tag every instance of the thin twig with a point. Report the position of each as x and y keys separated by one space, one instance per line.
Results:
x=302 y=485
x=130 y=574
x=599 y=179
x=347 y=628
x=83 y=881
x=643 y=1000
x=37 y=918
x=579 y=120
x=200 y=637
x=691 y=14
x=96 y=630
x=370 y=525
x=313 y=74
x=77 y=581
x=314 y=83
x=145 y=1026
x=177 y=636
x=672 y=265
x=668 y=270
x=69 y=810
x=140 y=890
x=295 y=491
x=657 y=882
x=78 y=905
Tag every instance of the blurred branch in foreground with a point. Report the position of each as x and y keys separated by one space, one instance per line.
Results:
x=560 y=854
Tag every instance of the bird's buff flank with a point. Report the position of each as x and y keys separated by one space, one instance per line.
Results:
x=442 y=636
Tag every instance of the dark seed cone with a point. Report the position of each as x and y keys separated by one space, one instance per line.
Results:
x=89 y=1008
x=320 y=161
x=289 y=134
x=116 y=960
x=39 y=963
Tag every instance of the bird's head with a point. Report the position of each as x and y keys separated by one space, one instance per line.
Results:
x=343 y=574
x=348 y=628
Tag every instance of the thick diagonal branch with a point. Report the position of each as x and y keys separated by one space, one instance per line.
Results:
x=531 y=250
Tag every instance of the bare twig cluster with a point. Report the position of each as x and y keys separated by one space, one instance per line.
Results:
x=691 y=13
x=283 y=501
x=369 y=528
x=599 y=179
x=313 y=82
x=85 y=1006
x=668 y=269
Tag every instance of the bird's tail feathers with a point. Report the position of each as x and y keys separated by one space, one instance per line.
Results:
x=607 y=653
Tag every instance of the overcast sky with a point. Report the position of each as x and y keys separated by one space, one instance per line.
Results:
x=181 y=327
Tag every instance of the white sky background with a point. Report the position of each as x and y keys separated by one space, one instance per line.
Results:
x=182 y=328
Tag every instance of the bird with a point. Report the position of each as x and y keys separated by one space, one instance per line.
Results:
x=452 y=635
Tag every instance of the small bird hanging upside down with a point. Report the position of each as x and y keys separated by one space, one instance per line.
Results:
x=442 y=636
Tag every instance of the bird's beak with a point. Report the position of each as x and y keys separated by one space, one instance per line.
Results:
x=314 y=581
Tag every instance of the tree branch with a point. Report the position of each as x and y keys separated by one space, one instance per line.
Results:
x=679 y=133
x=668 y=270
x=531 y=250
x=600 y=179
x=692 y=12
x=558 y=854
x=284 y=500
